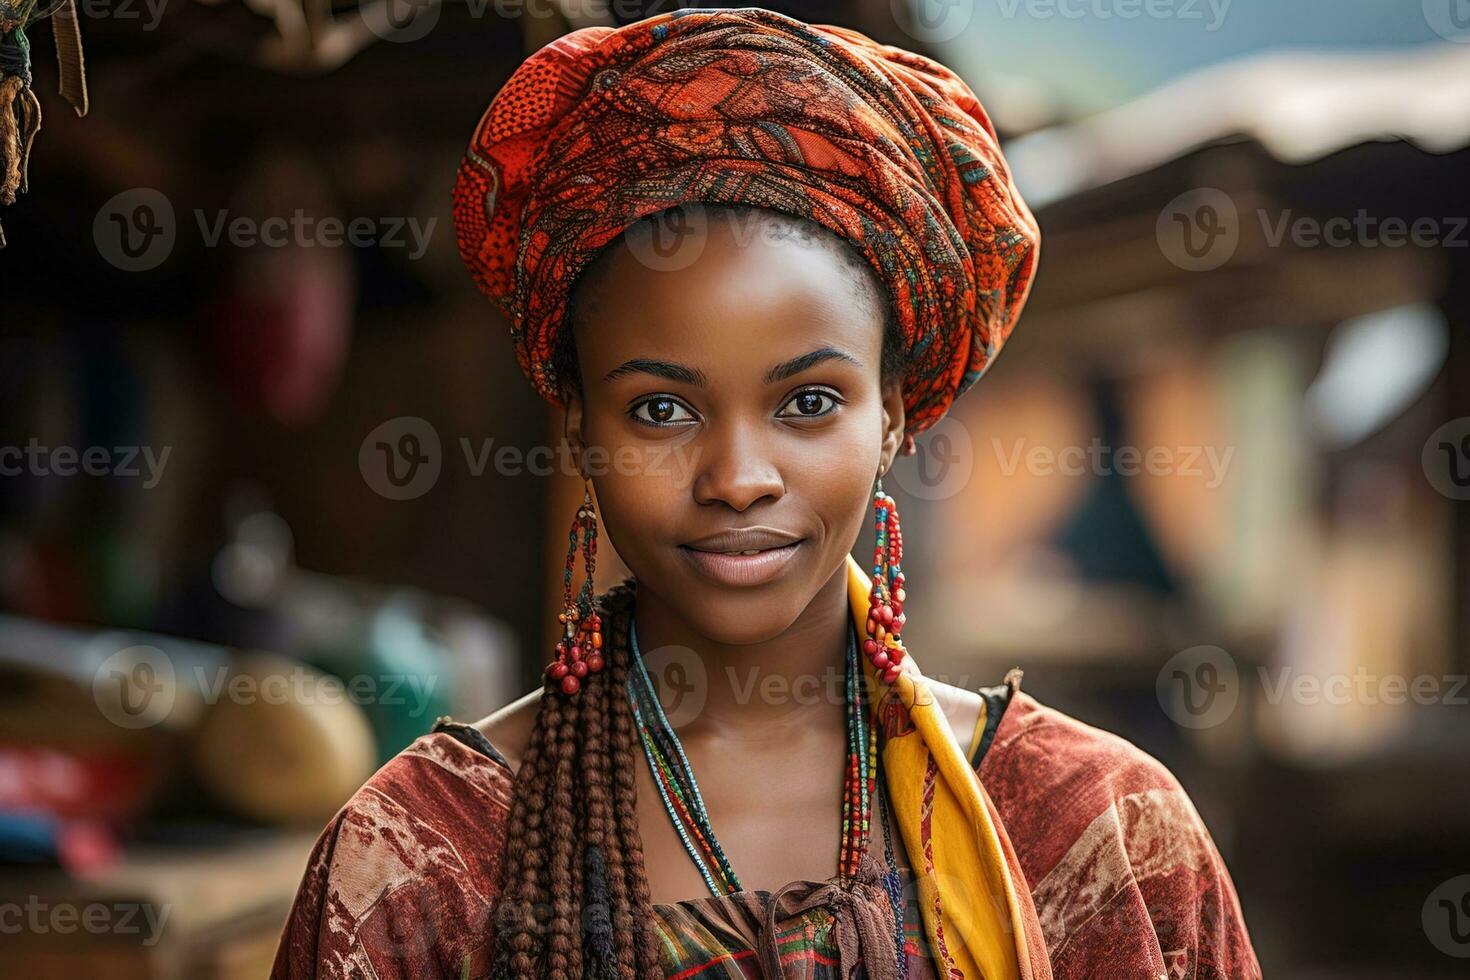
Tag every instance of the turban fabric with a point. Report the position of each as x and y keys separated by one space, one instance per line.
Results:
x=882 y=146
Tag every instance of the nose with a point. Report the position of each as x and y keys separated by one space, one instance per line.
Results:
x=738 y=470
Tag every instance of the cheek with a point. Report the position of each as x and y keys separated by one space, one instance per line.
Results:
x=836 y=480
x=641 y=484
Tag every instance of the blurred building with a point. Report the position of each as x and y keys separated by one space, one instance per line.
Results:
x=1211 y=498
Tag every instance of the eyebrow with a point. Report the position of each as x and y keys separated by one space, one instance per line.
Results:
x=670 y=371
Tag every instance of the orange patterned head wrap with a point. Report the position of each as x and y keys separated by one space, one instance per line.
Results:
x=882 y=146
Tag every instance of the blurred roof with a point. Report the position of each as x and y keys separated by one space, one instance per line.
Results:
x=1300 y=106
x=1091 y=55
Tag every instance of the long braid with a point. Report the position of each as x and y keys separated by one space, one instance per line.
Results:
x=575 y=898
x=605 y=893
x=625 y=803
x=564 y=958
x=518 y=932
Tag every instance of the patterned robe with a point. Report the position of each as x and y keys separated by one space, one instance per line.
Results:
x=1124 y=876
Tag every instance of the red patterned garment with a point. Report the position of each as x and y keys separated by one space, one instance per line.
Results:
x=1124 y=876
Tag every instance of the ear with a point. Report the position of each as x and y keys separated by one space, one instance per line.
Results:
x=573 y=417
x=893 y=425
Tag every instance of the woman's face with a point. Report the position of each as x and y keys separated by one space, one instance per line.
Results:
x=733 y=419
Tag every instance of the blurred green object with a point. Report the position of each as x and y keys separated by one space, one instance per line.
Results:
x=396 y=670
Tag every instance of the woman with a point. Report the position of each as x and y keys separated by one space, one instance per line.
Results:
x=752 y=258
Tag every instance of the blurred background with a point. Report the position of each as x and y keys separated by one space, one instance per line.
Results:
x=274 y=495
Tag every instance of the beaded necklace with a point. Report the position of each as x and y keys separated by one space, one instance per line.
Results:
x=680 y=791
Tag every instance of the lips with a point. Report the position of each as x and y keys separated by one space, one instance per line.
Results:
x=736 y=539
x=743 y=557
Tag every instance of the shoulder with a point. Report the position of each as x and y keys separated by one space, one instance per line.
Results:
x=1042 y=751
x=404 y=874
x=509 y=729
x=435 y=808
x=1112 y=845
x=1055 y=778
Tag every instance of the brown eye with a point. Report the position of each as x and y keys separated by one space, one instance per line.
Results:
x=661 y=410
x=811 y=403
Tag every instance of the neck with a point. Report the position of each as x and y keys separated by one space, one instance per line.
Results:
x=754 y=692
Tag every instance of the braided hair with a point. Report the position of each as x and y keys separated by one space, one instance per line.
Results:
x=574 y=898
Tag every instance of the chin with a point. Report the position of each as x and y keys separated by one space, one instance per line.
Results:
x=736 y=616
x=740 y=621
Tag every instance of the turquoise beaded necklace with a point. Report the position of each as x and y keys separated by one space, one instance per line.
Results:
x=679 y=789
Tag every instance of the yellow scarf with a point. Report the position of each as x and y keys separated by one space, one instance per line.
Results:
x=977 y=910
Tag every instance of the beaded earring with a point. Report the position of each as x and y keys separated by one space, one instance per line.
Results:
x=579 y=651
x=884 y=646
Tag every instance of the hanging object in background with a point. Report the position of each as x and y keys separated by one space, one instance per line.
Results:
x=20 y=110
x=283 y=318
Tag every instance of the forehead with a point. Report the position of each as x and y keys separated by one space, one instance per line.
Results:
x=736 y=288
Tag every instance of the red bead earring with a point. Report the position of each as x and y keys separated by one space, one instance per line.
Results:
x=579 y=652
x=884 y=646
